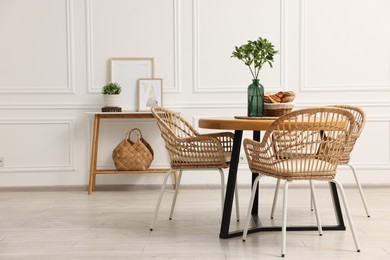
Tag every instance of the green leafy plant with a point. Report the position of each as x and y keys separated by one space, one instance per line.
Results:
x=111 y=88
x=255 y=54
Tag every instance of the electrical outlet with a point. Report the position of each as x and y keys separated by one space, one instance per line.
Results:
x=1 y=161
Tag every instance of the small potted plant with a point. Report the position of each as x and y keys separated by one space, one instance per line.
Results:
x=111 y=97
x=255 y=54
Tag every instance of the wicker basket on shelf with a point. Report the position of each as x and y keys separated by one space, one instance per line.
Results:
x=133 y=154
x=277 y=109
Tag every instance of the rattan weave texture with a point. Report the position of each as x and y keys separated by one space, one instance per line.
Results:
x=304 y=144
x=133 y=155
x=360 y=121
x=188 y=148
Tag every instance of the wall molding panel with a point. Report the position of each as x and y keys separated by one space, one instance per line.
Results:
x=49 y=106
x=199 y=88
x=176 y=89
x=89 y=47
x=323 y=88
x=93 y=89
x=361 y=103
x=69 y=85
x=27 y=128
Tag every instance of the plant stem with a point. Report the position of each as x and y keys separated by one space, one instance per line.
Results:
x=252 y=72
x=258 y=69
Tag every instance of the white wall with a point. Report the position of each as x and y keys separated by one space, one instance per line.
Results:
x=54 y=59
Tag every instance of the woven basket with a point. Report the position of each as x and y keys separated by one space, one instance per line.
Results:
x=277 y=109
x=134 y=155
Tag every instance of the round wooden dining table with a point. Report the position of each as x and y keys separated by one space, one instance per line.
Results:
x=255 y=124
x=237 y=123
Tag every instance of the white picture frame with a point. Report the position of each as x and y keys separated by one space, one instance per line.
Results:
x=149 y=93
x=126 y=71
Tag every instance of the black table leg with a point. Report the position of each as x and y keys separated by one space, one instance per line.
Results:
x=255 y=208
x=231 y=184
x=336 y=205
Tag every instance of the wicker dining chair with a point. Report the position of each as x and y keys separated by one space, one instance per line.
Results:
x=360 y=121
x=294 y=147
x=190 y=150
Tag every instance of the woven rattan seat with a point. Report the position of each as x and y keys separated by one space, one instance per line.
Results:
x=190 y=150
x=305 y=144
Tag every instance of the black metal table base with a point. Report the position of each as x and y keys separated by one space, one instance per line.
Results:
x=238 y=233
x=227 y=210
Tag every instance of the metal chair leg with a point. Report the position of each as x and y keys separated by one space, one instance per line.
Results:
x=275 y=198
x=249 y=215
x=160 y=198
x=284 y=221
x=223 y=194
x=360 y=189
x=314 y=202
x=222 y=187
x=311 y=199
x=176 y=192
x=346 y=207
x=237 y=203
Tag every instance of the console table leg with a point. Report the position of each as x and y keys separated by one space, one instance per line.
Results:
x=94 y=152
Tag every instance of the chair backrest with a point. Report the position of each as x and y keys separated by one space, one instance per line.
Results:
x=171 y=123
x=360 y=121
x=303 y=144
x=173 y=128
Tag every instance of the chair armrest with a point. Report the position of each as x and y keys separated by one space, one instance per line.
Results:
x=200 y=144
x=225 y=138
x=259 y=154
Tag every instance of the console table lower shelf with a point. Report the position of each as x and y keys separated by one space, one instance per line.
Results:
x=92 y=181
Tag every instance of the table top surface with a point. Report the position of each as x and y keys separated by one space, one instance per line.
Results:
x=236 y=123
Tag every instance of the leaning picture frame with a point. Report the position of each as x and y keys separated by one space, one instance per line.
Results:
x=149 y=93
x=126 y=71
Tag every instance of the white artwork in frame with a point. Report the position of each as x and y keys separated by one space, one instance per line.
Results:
x=126 y=72
x=150 y=93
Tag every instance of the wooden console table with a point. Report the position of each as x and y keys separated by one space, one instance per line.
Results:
x=95 y=142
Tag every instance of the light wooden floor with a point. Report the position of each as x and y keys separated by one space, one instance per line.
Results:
x=115 y=225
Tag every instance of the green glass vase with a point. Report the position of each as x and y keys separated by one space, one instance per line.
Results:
x=255 y=99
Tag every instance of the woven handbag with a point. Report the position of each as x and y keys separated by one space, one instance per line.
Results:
x=131 y=155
